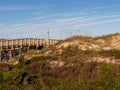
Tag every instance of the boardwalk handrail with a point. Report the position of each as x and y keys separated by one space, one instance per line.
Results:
x=11 y=47
x=27 y=42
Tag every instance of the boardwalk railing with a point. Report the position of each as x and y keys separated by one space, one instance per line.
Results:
x=16 y=43
x=10 y=48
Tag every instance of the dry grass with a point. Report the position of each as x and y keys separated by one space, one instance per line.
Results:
x=107 y=36
x=78 y=38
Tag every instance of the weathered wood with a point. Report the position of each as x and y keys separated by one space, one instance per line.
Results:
x=17 y=44
x=0 y=56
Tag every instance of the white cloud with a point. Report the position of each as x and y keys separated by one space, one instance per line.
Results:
x=101 y=22
x=100 y=8
x=90 y=19
x=51 y=16
x=90 y=11
x=68 y=22
x=78 y=20
x=63 y=23
x=21 y=24
x=20 y=7
x=36 y=18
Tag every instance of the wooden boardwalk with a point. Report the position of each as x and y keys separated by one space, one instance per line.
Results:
x=11 y=46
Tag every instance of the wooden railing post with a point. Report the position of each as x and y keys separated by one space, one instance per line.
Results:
x=21 y=42
x=12 y=44
x=37 y=44
x=29 y=42
x=33 y=41
x=10 y=54
x=16 y=42
x=7 y=44
x=0 y=56
x=25 y=41
x=1 y=45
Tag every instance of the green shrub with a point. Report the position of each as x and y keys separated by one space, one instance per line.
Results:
x=21 y=61
x=114 y=53
x=107 y=69
x=59 y=88
x=1 y=77
x=41 y=58
x=32 y=79
x=25 y=80
x=108 y=79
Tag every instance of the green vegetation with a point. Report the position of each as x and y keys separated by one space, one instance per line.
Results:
x=105 y=79
x=114 y=53
x=21 y=61
x=41 y=58
x=109 y=80
x=14 y=79
x=38 y=73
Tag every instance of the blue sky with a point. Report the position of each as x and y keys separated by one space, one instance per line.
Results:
x=63 y=18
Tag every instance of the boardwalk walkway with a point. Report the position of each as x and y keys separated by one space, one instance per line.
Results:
x=12 y=47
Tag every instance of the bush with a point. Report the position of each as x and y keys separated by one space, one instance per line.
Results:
x=108 y=79
x=114 y=53
x=39 y=58
x=21 y=61
x=1 y=77
x=59 y=88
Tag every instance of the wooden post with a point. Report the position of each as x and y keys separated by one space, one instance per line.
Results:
x=16 y=42
x=29 y=42
x=25 y=41
x=33 y=41
x=7 y=44
x=1 y=45
x=0 y=56
x=40 y=42
x=10 y=54
x=21 y=42
x=20 y=51
x=37 y=44
x=12 y=44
